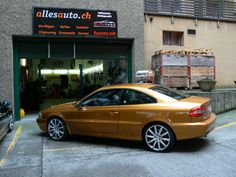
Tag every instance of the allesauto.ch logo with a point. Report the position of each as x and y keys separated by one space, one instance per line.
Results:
x=63 y=15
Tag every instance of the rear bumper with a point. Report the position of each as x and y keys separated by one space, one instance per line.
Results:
x=194 y=130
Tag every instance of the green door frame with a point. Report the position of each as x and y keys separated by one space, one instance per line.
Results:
x=16 y=80
x=16 y=57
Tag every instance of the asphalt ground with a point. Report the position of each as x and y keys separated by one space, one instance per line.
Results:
x=28 y=152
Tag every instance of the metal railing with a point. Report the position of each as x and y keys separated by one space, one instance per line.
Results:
x=200 y=9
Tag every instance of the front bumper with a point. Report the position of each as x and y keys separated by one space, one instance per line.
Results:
x=42 y=123
x=194 y=130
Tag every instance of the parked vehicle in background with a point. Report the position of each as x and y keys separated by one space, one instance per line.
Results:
x=6 y=119
x=154 y=114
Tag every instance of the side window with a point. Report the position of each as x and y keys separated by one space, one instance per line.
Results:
x=103 y=98
x=135 y=97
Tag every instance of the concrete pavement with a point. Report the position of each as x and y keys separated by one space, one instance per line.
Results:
x=30 y=152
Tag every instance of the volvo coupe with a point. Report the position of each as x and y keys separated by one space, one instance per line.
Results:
x=157 y=115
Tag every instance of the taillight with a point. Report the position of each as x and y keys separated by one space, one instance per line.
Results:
x=198 y=111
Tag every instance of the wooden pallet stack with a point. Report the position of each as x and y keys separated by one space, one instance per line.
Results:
x=201 y=51
x=182 y=69
x=201 y=67
x=171 y=70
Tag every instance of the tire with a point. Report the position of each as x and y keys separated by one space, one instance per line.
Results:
x=57 y=129
x=158 y=137
x=10 y=124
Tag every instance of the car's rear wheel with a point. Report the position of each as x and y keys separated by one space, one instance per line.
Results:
x=11 y=123
x=57 y=129
x=158 y=137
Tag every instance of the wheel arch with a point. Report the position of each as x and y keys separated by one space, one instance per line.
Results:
x=61 y=118
x=157 y=122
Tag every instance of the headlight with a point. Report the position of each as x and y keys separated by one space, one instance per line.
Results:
x=40 y=115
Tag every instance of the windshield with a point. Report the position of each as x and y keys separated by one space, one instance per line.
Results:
x=169 y=92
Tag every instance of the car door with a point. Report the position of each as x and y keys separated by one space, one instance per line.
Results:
x=98 y=113
x=136 y=107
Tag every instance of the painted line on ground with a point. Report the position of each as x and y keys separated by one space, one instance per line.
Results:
x=12 y=145
x=226 y=125
x=61 y=149
x=71 y=148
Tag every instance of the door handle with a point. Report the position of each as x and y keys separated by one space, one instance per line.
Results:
x=113 y=113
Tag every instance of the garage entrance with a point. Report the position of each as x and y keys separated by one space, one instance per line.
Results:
x=49 y=71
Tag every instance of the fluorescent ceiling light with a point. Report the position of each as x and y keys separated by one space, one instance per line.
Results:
x=46 y=71
x=93 y=69
x=60 y=71
x=74 y=71
x=23 y=62
x=97 y=68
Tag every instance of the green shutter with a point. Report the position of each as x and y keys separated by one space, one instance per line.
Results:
x=33 y=49
x=102 y=51
x=61 y=50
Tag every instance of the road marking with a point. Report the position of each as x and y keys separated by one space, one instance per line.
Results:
x=12 y=145
x=225 y=125
x=60 y=149
x=64 y=149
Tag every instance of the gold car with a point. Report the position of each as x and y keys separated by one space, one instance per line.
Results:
x=154 y=114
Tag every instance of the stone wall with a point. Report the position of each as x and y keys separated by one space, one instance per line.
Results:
x=222 y=99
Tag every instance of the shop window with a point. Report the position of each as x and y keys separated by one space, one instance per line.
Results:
x=173 y=38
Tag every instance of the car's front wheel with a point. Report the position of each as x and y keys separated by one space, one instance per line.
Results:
x=57 y=129
x=158 y=137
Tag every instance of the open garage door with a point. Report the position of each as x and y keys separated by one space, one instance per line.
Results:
x=54 y=71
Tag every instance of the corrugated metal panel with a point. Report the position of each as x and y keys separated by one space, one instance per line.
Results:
x=204 y=9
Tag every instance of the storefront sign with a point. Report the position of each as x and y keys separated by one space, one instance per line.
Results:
x=75 y=22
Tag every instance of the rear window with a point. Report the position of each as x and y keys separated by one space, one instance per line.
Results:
x=169 y=92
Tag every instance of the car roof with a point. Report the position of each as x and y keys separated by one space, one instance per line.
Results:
x=141 y=87
x=136 y=85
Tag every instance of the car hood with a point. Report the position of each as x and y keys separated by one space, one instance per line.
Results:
x=61 y=106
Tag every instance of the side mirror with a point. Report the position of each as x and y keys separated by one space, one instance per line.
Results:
x=5 y=104
x=78 y=105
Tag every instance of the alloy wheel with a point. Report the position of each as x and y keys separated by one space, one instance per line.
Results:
x=158 y=137
x=56 y=129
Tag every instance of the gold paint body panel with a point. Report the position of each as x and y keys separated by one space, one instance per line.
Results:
x=128 y=121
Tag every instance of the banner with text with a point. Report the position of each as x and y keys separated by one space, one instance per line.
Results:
x=74 y=22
